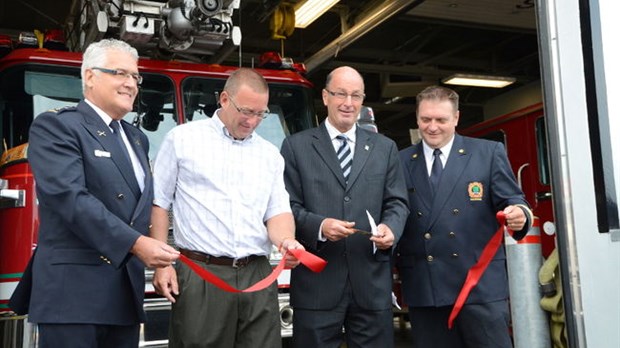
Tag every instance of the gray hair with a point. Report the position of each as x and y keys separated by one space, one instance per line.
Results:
x=96 y=54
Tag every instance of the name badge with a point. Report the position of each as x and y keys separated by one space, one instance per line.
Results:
x=100 y=153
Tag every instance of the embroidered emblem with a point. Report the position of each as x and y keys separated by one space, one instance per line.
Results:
x=475 y=190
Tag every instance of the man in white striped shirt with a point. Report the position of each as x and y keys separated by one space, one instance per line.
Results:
x=225 y=185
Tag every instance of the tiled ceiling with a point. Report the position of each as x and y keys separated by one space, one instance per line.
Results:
x=413 y=43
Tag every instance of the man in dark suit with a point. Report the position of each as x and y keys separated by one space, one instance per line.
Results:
x=456 y=186
x=95 y=202
x=330 y=196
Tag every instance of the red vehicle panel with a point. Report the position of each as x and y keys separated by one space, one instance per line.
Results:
x=523 y=133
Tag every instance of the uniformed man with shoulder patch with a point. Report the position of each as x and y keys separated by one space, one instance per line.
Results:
x=456 y=186
x=94 y=189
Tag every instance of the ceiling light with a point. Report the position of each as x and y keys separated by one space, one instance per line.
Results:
x=479 y=80
x=310 y=10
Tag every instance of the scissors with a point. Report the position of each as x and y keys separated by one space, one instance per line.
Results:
x=373 y=227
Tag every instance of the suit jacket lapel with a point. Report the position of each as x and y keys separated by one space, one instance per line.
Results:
x=101 y=131
x=457 y=162
x=416 y=167
x=137 y=145
x=325 y=150
x=363 y=149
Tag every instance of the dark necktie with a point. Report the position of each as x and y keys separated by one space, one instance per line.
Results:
x=436 y=170
x=345 y=156
x=115 y=125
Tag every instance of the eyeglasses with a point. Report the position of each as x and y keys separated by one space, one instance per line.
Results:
x=356 y=97
x=121 y=73
x=248 y=112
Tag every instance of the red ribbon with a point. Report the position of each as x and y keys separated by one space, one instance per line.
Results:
x=313 y=262
x=476 y=271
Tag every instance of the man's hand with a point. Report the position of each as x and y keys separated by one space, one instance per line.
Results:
x=165 y=283
x=385 y=239
x=515 y=217
x=154 y=253
x=334 y=230
x=290 y=244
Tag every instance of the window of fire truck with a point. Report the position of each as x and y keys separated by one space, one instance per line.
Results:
x=291 y=106
x=28 y=90
x=154 y=110
x=497 y=135
x=542 y=152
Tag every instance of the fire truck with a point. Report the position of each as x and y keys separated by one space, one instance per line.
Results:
x=39 y=72
x=523 y=133
x=36 y=80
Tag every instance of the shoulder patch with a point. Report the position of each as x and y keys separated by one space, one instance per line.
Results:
x=62 y=109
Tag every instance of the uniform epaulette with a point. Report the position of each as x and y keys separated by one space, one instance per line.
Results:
x=62 y=109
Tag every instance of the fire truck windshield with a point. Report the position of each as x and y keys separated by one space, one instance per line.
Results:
x=28 y=90
x=288 y=105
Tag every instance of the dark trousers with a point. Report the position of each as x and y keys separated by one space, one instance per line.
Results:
x=206 y=316
x=88 y=336
x=477 y=326
x=362 y=328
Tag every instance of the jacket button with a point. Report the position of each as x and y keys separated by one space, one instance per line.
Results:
x=427 y=235
x=419 y=214
x=455 y=211
x=131 y=224
x=430 y=258
x=455 y=255
x=120 y=196
x=451 y=234
x=347 y=198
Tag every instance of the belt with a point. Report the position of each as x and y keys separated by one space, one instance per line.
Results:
x=219 y=260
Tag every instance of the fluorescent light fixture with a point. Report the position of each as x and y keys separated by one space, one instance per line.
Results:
x=479 y=80
x=310 y=10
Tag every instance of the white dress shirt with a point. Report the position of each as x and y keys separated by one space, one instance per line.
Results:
x=428 y=154
x=222 y=190
x=333 y=133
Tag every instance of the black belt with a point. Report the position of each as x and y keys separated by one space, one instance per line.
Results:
x=219 y=260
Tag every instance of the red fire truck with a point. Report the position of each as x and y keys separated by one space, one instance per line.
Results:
x=35 y=80
x=524 y=135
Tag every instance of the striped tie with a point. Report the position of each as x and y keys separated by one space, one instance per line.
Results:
x=345 y=156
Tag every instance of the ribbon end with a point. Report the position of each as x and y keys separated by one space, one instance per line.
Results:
x=451 y=319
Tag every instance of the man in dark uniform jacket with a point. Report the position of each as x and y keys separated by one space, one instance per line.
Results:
x=453 y=207
x=95 y=202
